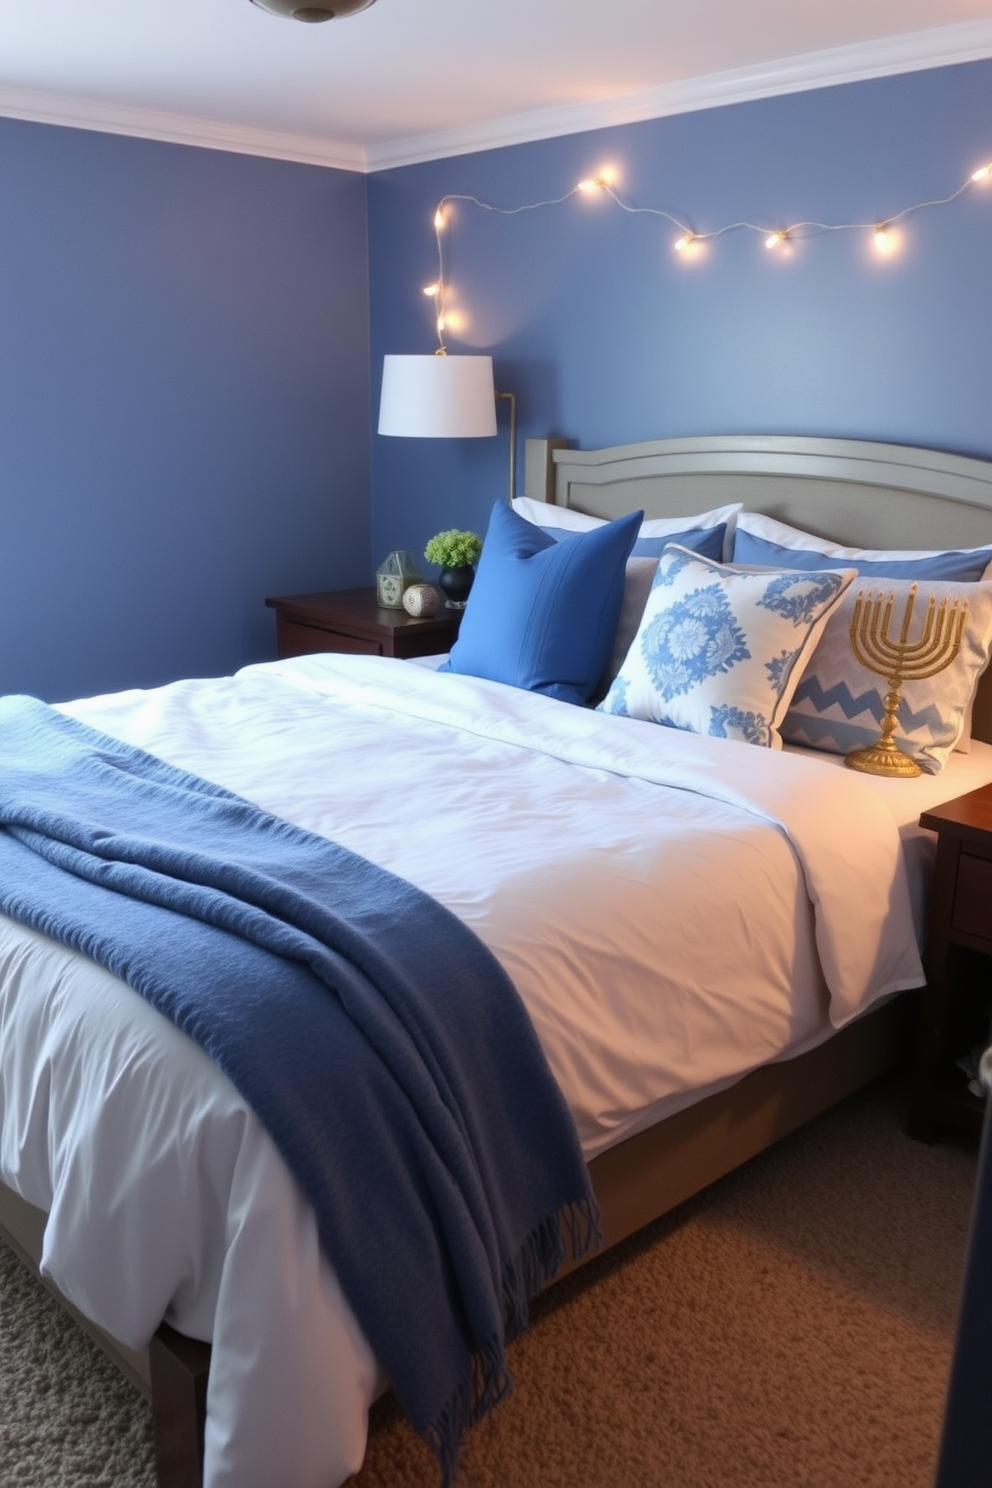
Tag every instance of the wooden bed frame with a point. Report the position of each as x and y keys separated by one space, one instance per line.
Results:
x=856 y=492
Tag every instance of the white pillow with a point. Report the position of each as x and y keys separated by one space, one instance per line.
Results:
x=837 y=705
x=719 y=650
x=546 y=514
x=550 y=517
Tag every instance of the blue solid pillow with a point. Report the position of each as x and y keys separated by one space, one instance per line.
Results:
x=705 y=540
x=962 y=567
x=542 y=614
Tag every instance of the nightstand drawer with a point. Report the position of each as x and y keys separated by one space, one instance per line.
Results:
x=973 y=898
x=294 y=639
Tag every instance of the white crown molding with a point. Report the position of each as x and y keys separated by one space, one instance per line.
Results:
x=944 y=46
x=180 y=129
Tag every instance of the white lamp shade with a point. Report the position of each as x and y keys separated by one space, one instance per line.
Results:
x=437 y=397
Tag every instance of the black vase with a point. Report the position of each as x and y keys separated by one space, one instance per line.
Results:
x=456 y=583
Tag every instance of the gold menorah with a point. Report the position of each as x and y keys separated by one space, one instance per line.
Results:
x=901 y=661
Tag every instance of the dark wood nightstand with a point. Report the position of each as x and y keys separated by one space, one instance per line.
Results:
x=351 y=620
x=954 y=1012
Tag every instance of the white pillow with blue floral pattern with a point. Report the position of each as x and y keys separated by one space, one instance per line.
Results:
x=720 y=649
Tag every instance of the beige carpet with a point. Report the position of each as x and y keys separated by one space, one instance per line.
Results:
x=68 y=1419
x=790 y=1328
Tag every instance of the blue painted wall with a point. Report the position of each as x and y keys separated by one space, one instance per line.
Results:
x=187 y=340
x=606 y=335
x=184 y=404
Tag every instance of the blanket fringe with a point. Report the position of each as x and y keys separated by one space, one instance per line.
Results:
x=490 y=1383
x=571 y=1233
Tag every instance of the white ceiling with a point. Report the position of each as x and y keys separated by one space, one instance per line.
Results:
x=417 y=79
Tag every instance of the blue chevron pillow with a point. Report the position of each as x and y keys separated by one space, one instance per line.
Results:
x=719 y=649
x=837 y=706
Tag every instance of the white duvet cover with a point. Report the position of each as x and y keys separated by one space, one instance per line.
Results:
x=674 y=910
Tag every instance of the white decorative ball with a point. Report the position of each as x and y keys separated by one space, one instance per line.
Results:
x=421 y=599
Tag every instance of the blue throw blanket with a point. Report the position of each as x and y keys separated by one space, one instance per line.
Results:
x=377 y=1039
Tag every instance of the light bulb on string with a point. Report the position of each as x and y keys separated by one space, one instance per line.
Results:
x=982 y=173
x=885 y=239
x=690 y=246
x=603 y=180
x=775 y=239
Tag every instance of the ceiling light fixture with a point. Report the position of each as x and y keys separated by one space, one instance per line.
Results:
x=325 y=12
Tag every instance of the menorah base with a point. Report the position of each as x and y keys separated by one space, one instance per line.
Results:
x=883 y=758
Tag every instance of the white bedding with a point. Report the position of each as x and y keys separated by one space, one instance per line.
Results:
x=906 y=799
x=674 y=910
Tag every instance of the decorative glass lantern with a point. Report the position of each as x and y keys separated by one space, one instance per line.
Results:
x=397 y=571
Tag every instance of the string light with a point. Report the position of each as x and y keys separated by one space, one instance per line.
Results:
x=885 y=240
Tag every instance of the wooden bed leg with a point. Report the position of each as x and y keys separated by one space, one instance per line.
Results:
x=179 y=1368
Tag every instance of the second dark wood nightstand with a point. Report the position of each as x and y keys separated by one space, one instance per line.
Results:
x=954 y=1011
x=351 y=620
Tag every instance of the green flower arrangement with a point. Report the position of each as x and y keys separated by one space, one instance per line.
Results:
x=454 y=549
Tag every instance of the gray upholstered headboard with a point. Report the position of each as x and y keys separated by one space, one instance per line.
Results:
x=853 y=491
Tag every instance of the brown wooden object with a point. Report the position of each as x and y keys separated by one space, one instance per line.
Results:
x=352 y=621
x=952 y=1014
x=179 y=1370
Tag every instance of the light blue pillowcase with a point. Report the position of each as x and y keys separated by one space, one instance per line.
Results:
x=963 y=567
x=719 y=649
x=542 y=614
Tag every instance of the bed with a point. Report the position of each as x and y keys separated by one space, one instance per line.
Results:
x=663 y=1106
